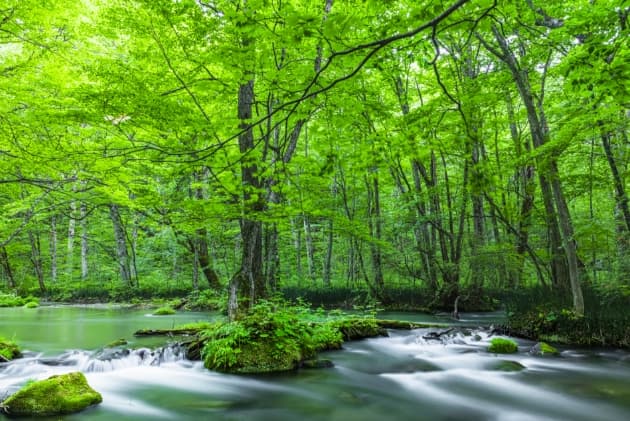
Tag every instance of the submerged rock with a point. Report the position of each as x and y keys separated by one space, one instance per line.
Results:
x=507 y=365
x=318 y=363
x=57 y=395
x=543 y=349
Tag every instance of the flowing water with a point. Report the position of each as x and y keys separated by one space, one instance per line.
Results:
x=410 y=375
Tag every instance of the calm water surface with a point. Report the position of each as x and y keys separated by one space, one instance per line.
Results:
x=402 y=377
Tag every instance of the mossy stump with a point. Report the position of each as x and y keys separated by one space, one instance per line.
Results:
x=502 y=346
x=57 y=395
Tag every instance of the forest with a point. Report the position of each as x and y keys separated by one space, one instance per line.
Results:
x=398 y=154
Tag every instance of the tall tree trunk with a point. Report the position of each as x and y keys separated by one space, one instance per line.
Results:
x=248 y=283
x=53 y=248
x=120 y=237
x=375 y=226
x=310 y=249
x=84 y=242
x=551 y=189
x=6 y=267
x=36 y=259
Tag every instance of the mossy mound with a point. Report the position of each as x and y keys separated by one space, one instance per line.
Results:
x=57 y=395
x=502 y=346
x=31 y=304
x=276 y=337
x=8 y=350
x=164 y=311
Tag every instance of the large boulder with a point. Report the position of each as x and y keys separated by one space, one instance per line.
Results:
x=57 y=395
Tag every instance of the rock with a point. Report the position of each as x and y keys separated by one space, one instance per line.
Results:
x=542 y=349
x=57 y=395
x=317 y=364
x=502 y=346
x=117 y=342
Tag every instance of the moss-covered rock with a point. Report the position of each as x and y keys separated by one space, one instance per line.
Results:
x=8 y=350
x=57 y=395
x=353 y=329
x=543 y=349
x=502 y=346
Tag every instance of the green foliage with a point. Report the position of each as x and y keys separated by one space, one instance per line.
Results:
x=539 y=313
x=164 y=311
x=502 y=346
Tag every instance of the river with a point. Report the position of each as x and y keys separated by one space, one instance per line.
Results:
x=400 y=377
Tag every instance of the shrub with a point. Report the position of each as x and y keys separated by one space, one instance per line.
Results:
x=164 y=311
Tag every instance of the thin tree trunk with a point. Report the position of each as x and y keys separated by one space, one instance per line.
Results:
x=84 y=242
x=53 y=248
x=120 y=237
x=329 y=253
x=36 y=259
x=310 y=249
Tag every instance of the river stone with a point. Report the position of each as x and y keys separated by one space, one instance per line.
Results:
x=508 y=365
x=57 y=395
x=542 y=349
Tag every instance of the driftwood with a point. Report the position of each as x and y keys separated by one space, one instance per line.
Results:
x=404 y=325
x=168 y=332
x=437 y=336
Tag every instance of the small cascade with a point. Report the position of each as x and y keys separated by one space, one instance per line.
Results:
x=115 y=359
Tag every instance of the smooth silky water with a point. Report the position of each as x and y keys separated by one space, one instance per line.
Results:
x=401 y=377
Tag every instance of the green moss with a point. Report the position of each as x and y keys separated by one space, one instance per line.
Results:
x=164 y=311
x=31 y=304
x=353 y=329
x=8 y=350
x=502 y=346
x=543 y=349
x=117 y=342
x=63 y=394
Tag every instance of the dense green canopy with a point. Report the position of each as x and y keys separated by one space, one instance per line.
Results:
x=456 y=146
